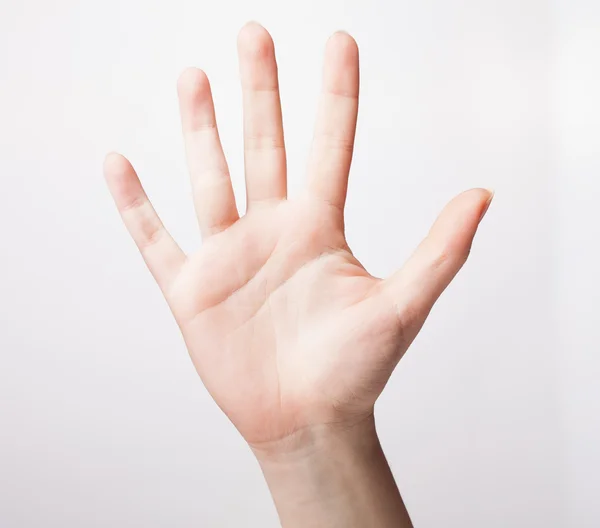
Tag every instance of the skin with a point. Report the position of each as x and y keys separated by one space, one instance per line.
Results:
x=292 y=337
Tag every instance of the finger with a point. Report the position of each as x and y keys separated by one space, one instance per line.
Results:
x=163 y=256
x=333 y=142
x=211 y=185
x=264 y=149
x=416 y=287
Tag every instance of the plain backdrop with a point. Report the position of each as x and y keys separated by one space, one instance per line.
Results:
x=491 y=419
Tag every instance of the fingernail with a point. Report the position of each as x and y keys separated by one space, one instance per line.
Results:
x=487 y=205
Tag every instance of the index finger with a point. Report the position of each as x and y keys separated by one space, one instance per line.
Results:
x=333 y=143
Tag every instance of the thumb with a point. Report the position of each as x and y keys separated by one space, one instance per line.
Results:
x=415 y=288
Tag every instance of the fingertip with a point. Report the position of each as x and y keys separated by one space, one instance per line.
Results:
x=121 y=179
x=490 y=196
x=473 y=202
x=255 y=40
x=250 y=27
x=479 y=192
x=480 y=198
x=192 y=82
x=115 y=164
x=451 y=235
x=485 y=194
x=343 y=44
x=341 y=68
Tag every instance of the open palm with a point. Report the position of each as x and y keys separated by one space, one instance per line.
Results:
x=285 y=327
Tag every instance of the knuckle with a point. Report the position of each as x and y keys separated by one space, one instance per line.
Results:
x=450 y=254
x=264 y=142
x=338 y=142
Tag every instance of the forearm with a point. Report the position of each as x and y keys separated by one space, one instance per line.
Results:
x=333 y=477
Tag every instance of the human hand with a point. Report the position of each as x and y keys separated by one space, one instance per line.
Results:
x=285 y=327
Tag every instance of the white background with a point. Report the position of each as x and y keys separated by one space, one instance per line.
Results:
x=490 y=421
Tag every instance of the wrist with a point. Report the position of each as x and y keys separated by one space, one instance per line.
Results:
x=312 y=442
x=332 y=475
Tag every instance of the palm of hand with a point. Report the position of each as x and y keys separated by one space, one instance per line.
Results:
x=284 y=321
x=285 y=327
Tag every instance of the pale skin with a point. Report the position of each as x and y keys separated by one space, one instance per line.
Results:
x=292 y=337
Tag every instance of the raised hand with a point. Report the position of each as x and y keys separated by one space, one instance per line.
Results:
x=286 y=328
